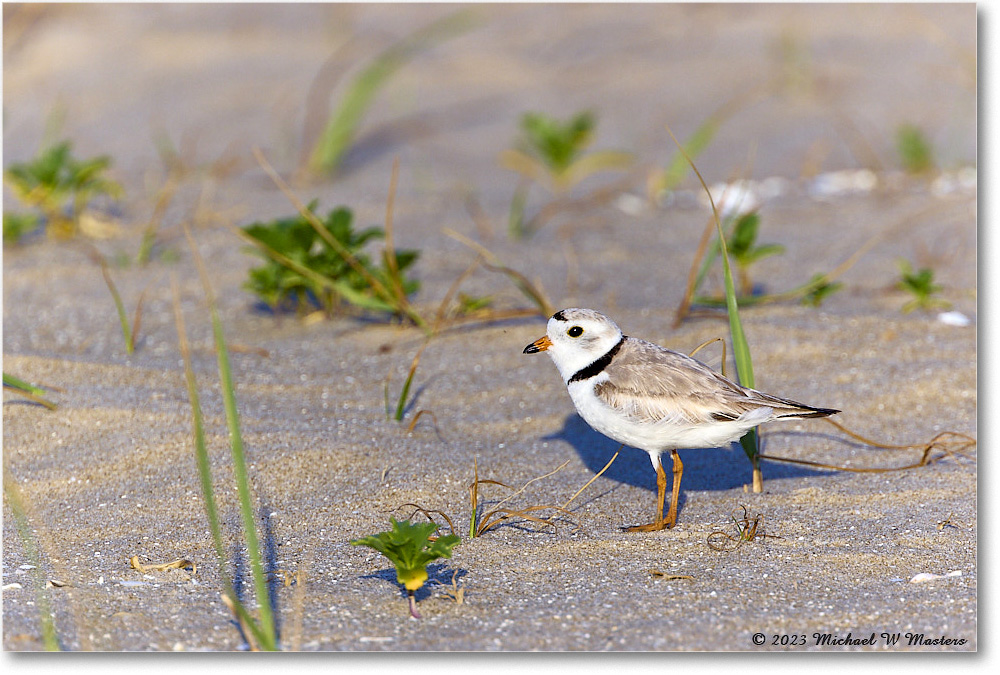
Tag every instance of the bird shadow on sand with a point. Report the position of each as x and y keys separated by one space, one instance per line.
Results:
x=704 y=469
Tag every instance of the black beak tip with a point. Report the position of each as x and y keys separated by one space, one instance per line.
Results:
x=530 y=349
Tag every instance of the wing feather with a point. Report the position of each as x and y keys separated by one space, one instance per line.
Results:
x=649 y=384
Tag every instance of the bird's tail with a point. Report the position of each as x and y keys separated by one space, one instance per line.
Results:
x=809 y=411
x=795 y=410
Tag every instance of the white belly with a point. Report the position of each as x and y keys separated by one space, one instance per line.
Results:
x=667 y=434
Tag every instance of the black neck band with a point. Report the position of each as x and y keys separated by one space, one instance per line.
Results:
x=597 y=366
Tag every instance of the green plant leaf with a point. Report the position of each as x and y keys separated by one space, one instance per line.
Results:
x=820 y=291
x=762 y=251
x=914 y=149
x=557 y=144
x=744 y=234
x=16 y=225
x=408 y=547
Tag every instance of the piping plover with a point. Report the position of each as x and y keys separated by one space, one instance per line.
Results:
x=652 y=398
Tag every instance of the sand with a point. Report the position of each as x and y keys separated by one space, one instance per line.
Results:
x=110 y=474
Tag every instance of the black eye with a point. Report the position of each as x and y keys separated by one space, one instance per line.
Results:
x=575 y=331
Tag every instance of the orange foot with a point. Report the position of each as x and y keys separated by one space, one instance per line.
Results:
x=650 y=527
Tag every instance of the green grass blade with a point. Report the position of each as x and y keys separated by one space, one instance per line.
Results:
x=401 y=404
x=696 y=144
x=269 y=641
x=205 y=472
x=198 y=427
x=28 y=390
x=12 y=492
x=242 y=481
x=122 y=315
x=18 y=383
x=343 y=124
x=741 y=348
x=515 y=219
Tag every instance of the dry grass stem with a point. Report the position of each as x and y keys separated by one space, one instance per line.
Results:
x=722 y=367
x=298 y=608
x=391 y=264
x=179 y=564
x=457 y=592
x=421 y=413
x=684 y=308
x=130 y=333
x=241 y=621
x=747 y=530
x=532 y=291
x=500 y=515
x=584 y=204
x=496 y=515
x=950 y=443
x=596 y=476
x=475 y=210
x=446 y=300
x=669 y=577
x=537 y=478
x=427 y=513
x=947 y=522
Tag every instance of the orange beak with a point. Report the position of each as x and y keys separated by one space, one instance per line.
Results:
x=539 y=345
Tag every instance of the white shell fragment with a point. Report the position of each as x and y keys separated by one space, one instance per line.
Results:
x=734 y=199
x=837 y=183
x=927 y=576
x=954 y=318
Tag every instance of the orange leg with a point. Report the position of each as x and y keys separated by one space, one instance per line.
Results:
x=678 y=472
x=662 y=523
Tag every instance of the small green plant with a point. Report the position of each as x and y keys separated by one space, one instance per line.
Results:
x=51 y=180
x=409 y=547
x=740 y=234
x=742 y=245
x=551 y=152
x=303 y=270
x=921 y=286
x=914 y=149
x=470 y=304
x=819 y=290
